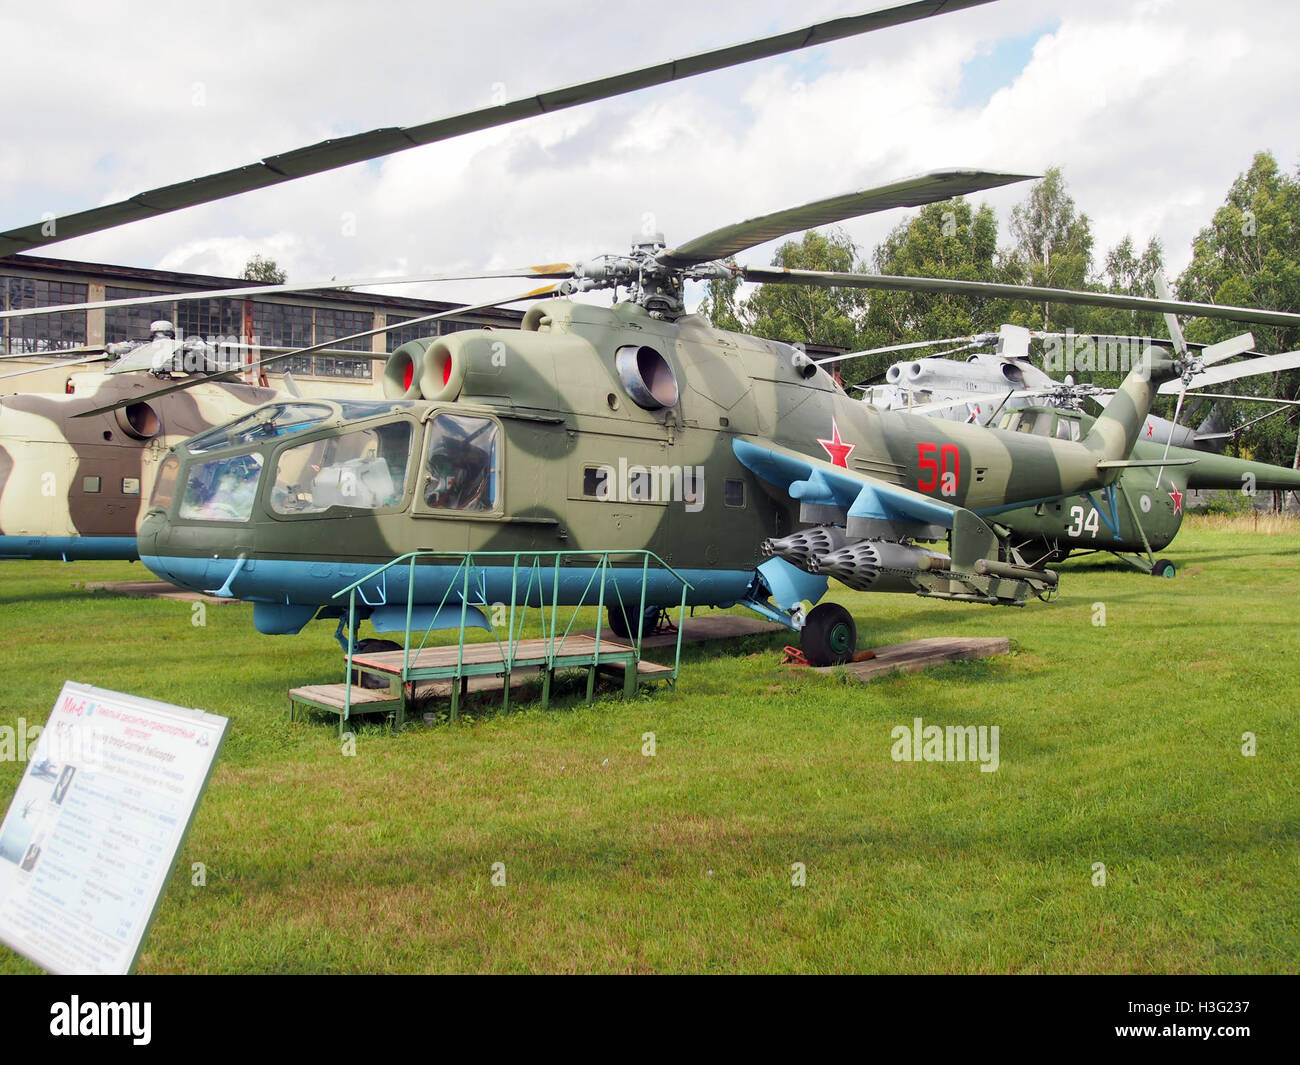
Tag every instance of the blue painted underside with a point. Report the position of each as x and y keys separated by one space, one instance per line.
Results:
x=69 y=548
x=291 y=589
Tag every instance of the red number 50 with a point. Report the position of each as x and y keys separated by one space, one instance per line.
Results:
x=944 y=471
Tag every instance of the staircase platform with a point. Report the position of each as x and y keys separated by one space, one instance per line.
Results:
x=439 y=672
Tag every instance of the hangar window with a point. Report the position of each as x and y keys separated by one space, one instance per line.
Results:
x=46 y=333
x=364 y=470
x=463 y=468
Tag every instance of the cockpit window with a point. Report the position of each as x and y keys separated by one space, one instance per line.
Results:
x=462 y=464
x=364 y=469
x=1067 y=429
x=221 y=490
x=265 y=423
x=355 y=409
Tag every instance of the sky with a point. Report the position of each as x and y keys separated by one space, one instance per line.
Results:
x=1151 y=107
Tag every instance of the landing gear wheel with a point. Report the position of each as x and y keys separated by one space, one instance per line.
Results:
x=364 y=647
x=624 y=623
x=829 y=635
x=1163 y=568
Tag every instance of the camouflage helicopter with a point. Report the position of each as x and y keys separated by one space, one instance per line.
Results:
x=628 y=427
x=1032 y=402
x=988 y=381
x=72 y=488
x=632 y=426
x=1136 y=515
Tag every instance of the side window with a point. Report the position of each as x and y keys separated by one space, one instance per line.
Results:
x=462 y=466
x=221 y=490
x=364 y=469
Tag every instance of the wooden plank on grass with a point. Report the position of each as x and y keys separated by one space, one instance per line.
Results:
x=921 y=654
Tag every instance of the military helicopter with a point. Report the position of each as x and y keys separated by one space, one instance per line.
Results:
x=72 y=488
x=1136 y=515
x=634 y=426
x=1031 y=402
x=989 y=381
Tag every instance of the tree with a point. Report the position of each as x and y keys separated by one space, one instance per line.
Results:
x=260 y=269
x=719 y=305
x=804 y=313
x=1130 y=274
x=1250 y=255
x=1052 y=249
x=948 y=239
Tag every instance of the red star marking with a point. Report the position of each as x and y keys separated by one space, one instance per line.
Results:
x=1150 y=429
x=836 y=448
x=1177 y=497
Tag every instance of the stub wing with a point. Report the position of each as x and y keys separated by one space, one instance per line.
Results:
x=860 y=529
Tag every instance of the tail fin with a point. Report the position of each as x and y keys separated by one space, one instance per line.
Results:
x=1116 y=430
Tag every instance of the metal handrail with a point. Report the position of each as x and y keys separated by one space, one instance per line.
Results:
x=469 y=561
x=432 y=553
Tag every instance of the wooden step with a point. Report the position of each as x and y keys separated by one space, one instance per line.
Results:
x=334 y=696
x=527 y=652
x=643 y=668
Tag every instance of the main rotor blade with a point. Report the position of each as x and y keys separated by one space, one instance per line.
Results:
x=537 y=293
x=331 y=154
x=963 y=341
x=543 y=271
x=1288 y=360
x=910 y=192
x=53 y=366
x=1175 y=331
x=775 y=275
x=1243 y=399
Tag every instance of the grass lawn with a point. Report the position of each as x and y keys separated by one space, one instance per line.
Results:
x=1119 y=744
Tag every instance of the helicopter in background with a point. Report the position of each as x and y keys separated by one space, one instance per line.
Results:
x=979 y=387
x=73 y=488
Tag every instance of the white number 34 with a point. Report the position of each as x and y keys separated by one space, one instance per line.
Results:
x=1079 y=524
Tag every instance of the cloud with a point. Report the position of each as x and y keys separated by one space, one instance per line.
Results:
x=1151 y=109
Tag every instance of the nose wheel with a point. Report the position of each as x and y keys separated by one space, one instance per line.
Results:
x=829 y=636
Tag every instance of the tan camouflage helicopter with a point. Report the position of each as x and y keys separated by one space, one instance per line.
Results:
x=632 y=427
x=73 y=488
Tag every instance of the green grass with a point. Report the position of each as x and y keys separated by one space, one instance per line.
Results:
x=1119 y=744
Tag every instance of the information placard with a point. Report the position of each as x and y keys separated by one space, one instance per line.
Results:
x=96 y=824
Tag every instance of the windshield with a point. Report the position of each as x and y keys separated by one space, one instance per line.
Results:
x=221 y=490
x=265 y=423
x=364 y=469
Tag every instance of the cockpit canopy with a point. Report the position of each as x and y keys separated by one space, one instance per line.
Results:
x=363 y=467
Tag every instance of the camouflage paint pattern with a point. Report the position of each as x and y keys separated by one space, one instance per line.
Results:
x=49 y=458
